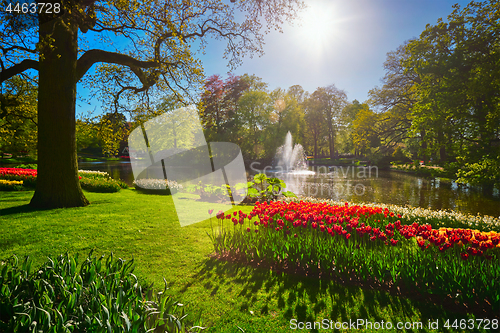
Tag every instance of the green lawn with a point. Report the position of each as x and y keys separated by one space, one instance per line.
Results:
x=131 y=224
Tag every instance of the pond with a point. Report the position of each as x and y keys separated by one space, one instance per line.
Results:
x=364 y=185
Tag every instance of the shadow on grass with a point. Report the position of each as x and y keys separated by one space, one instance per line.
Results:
x=20 y=209
x=310 y=299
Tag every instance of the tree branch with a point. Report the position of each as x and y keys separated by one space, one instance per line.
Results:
x=91 y=57
x=18 y=69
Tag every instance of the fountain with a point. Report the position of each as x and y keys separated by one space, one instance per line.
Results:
x=291 y=158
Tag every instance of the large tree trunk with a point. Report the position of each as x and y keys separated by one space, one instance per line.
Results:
x=57 y=181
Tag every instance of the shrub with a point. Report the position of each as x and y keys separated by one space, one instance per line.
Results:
x=265 y=188
x=27 y=166
x=11 y=185
x=97 y=296
x=103 y=185
x=122 y=183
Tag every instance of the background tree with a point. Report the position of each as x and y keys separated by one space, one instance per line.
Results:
x=315 y=122
x=458 y=88
x=157 y=38
x=365 y=136
x=328 y=101
x=348 y=114
x=395 y=100
x=18 y=117
x=220 y=102
x=254 y=114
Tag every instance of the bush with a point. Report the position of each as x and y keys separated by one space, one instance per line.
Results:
x=121 y=183
x=103 y=185
x=27 y=166
x=97 y=296
x=264 y=188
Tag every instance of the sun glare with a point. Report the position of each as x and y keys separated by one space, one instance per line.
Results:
x=319 y=26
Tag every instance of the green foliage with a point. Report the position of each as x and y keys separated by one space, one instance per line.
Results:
x=18 y=116
x=484 y=172
x=27 y=166
x=98 y=295
x=105 y=132
x=364 y=133
x=455 y=112
x=211 y=193
x=265 y=188
x=399 y=154
x=121 y=183
x=103 y=185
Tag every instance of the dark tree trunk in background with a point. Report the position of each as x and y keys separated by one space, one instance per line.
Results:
x=57 y=181
x=442 y=147
x=424 y=144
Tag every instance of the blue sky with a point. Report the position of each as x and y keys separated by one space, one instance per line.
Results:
x=348 y=50
x=335 y=42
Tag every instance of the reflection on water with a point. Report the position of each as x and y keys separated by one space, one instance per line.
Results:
x=368 y=185
x=390 y=187
x=116 y=169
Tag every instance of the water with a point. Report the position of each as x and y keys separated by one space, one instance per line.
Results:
x=116 y=169
x=370 y=185
x=362 y=185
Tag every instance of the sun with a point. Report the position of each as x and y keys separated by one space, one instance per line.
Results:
x=320 y=26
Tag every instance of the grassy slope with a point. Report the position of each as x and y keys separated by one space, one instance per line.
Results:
x=145 y=227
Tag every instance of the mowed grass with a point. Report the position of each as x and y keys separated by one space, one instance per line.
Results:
x=232 y=297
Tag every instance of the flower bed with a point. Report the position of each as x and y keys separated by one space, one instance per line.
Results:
x=436 y=218
x=95 y=181
x=27 y=176
x=11 y=185
x=93 y=174
x=156 y=186
x=367 y=242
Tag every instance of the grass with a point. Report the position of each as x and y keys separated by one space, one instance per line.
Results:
x=230 y=295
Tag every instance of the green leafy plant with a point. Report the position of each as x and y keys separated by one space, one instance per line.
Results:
x=265 y=188
x=27 y=166
x=486 y=171
x=208 y=192
x=98 y=295
x=121 y=183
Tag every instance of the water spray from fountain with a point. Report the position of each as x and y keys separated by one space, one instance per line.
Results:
x=291 y=158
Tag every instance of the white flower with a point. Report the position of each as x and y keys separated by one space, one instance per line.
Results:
x=157 y=184
x=94 y=173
